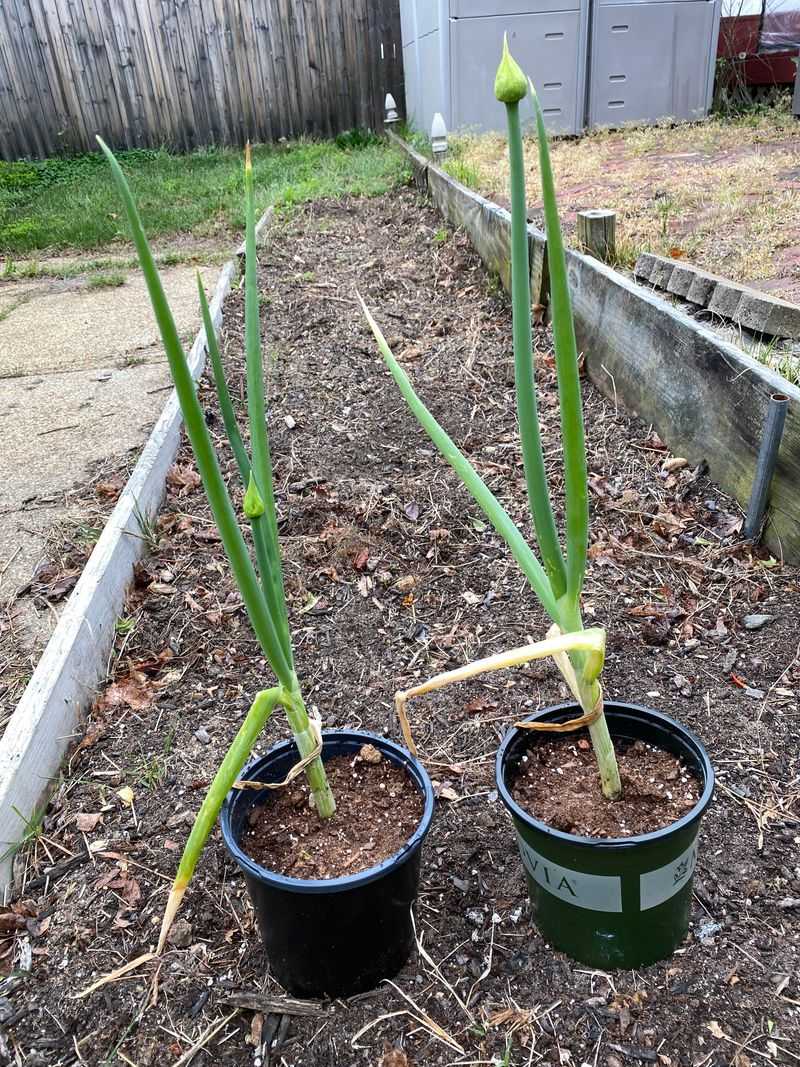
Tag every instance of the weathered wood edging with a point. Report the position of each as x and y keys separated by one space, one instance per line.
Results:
x=74 y=662
x=706 y=398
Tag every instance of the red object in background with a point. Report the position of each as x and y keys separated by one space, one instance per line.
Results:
x=740 y=36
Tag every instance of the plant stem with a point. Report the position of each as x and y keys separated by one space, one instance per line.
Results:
x=569 y=386
x=306 y=741
x=527 y=415
x=589 y=692
x=268 y=550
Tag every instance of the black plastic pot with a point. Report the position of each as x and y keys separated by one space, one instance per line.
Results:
x=339 y=936
x=611 y=902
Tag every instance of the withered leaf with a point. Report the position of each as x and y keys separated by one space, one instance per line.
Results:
x=183 y=477
x=87 y=821
x=207 y=534
x=361 y=559
x=394 y=1057
x=133 y=693
x=109 y=490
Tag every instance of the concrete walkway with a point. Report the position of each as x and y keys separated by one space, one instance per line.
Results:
x=82 y=379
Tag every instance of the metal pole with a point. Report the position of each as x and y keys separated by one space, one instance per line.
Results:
x=765 y=467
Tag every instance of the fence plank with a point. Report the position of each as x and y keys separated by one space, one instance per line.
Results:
x=190 y=73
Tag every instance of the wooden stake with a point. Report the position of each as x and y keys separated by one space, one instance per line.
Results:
x=596 y=231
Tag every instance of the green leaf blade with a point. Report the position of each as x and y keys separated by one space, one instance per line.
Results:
x=197 y=431
x=482 y=494
x=223 y=394
x=527 y=412
x=569 y=386
x=265 y=531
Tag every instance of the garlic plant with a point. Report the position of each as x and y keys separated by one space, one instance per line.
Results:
x=261 y=586
x=558 y=579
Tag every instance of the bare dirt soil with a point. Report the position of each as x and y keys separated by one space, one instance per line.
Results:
x=393 y=574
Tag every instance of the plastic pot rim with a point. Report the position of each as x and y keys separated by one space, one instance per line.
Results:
x=566 y=711
x=403 y=758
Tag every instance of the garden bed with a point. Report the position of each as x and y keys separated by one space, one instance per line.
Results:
x=392 y=575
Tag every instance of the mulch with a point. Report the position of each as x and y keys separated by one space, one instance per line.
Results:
x=393 y=575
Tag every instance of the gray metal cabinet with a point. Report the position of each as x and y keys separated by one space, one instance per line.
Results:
x=469 y=9
x=548 y=47
x=595 y=62
x=424 y=28
x=652 y=60
x=452 y=47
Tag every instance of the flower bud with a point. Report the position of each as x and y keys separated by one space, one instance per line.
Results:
x=253 y=505
x=510 y=84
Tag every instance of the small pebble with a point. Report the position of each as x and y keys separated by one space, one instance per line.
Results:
x=755 y=622
x=707 y=931
x=181 y=934
x=202 y=735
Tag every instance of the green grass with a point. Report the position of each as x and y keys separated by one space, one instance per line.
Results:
x=773 y=354
x=106 y=281
x=12 y=307
x=35 y=268
x=59 y=204
x=462 y=172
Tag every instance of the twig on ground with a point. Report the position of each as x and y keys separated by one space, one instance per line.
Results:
x=203 y=1040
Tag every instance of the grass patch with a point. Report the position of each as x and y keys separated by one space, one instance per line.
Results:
x=12 y=307
x=34 y=268
x=106 y=281
x=463 y=172
x=72 y=203
x=777 y=355
x=716 y=192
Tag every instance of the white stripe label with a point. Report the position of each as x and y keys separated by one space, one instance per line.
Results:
x=596 y=892
x=657 y=886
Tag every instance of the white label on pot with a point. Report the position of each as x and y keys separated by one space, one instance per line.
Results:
x=597 y=892
x=657 y=886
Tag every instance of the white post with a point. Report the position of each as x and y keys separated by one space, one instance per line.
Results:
x=390 y=116
x=438 y=138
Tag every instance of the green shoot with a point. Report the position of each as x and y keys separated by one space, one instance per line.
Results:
x=264 y=600
x=558 y=580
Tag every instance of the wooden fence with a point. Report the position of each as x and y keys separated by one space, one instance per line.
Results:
x=187 y=73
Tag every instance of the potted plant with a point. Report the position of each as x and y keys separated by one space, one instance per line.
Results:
x=333 y=922
x=606 y=885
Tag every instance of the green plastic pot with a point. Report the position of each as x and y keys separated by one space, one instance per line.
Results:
x=611 y=902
